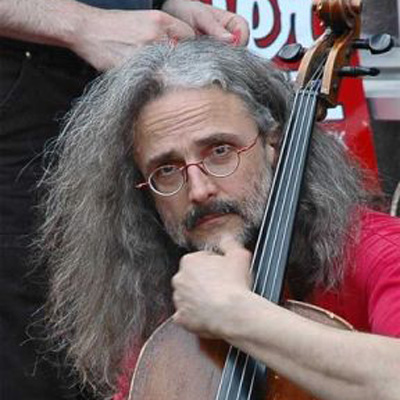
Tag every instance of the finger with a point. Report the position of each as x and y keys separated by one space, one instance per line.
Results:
x=208 y=24
x=178 y=30
x=239 y=28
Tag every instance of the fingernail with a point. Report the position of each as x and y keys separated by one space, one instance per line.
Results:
x=236 y=36
x=226 y=37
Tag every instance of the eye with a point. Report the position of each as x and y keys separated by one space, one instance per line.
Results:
x=166 y=170
x=222 y=150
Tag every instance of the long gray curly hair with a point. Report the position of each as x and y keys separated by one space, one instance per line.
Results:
x=109 y=257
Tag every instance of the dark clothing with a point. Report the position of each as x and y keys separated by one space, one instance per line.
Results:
x=120 y=4
x=37 y=86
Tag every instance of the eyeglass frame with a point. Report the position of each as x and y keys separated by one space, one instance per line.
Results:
x=183 y=170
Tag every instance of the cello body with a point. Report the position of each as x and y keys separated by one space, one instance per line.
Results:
x=175 y=364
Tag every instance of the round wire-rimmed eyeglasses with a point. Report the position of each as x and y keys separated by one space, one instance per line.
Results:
x=221 y=161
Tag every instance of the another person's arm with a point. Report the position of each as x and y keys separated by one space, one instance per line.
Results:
x=104 y=38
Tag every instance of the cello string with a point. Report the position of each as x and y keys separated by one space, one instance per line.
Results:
x=302 y=150
x=242 y=374
x=263 y=223
x=304 y=102
x=292 y=167
x=231 y=348
x=313 y=91
x=233 y=371
x=283 y=221
x=247 y=357
x=287 y=143
x=282 y=182
x=281 y=216
x=296 y=172
x=290 y=145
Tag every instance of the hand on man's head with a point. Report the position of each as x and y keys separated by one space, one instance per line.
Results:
x=111 y=36
x=211 y=21
x=106 y=38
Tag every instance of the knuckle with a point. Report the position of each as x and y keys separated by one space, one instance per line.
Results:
x=240 y=19
x=187 y=259
x=184 y=261
x=175 y=299
x=158 y=17
x=175 y=281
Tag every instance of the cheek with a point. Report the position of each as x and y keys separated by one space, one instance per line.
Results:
x=236 y=187
x=244 y=177
x=250 y=176
x=169 y=210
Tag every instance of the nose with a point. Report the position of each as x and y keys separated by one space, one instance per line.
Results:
x=200 y=186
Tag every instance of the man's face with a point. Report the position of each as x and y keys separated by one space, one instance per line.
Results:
x=183 y=127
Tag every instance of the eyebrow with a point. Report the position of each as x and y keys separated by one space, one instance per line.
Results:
x=216 y=138
x=173 y=155
x=163 y=158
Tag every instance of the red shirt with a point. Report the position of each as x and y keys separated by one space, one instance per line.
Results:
x=369 y=297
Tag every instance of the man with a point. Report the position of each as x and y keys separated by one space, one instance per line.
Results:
x=49 y=51
x=166 y=164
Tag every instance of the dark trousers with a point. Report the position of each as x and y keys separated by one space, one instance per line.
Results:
x=37 y=86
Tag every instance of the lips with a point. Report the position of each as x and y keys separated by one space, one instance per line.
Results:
x=209 y=218
x=200 y=214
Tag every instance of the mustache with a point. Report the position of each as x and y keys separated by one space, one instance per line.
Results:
x=216 y=207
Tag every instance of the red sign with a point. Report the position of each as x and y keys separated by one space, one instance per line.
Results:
x=274 y=23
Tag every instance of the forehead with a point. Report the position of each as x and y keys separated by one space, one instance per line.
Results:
x=179 y=121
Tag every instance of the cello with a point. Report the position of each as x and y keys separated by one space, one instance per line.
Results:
x=209 y=369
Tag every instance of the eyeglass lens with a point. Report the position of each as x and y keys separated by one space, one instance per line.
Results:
x=219 y=163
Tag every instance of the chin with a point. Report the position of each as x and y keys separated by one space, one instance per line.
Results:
x=212 y=241
x=209 y=240
x=247 y=236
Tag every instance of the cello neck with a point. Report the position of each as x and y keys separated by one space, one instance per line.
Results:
x=244 y=377
x=273 y=244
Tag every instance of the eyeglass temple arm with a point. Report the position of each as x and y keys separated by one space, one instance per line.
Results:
x=142 y=185
x=248 y=147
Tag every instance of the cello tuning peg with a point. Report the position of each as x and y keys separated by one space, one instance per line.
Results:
x=355 y=72
x=291 y=52
x=376 y=44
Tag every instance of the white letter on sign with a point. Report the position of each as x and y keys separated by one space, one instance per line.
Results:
x=297 y=12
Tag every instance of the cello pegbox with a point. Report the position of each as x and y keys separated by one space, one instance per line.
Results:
x=332 y=51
